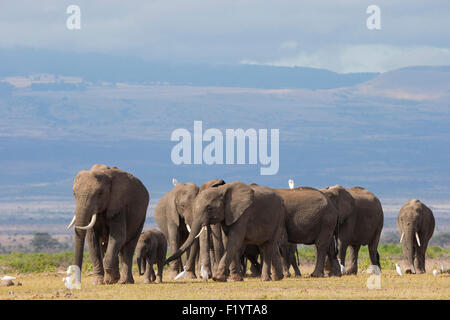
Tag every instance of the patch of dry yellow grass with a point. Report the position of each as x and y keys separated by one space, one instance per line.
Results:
x=50 y=286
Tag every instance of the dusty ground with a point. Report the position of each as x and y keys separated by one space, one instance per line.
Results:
x=426 y=286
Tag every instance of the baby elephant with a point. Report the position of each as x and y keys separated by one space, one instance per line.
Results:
x=151 y=249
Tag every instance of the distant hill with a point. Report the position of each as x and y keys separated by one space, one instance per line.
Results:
x=102 y=67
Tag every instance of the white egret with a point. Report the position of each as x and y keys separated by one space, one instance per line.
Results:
x=374 y=269
x=73 y=281
x=174 y=181
x=181 y=274
x=204 y=273
x=398 y=269
x=291 y=184
x=343 y=271
x=8 y=278
x=435 y=272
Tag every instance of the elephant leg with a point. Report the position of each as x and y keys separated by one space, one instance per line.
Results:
x=126 y=271
x=419 y=261
x=148 y=271
x=373 y=253
x=235 y=269
x=191 y=259
x=160 y=265
x=353 y=257
x=320 y=260
x=294 y=263
x=233 y=243
x=335 y=268
x=267 y=249
x=116 y=241
x=95 y=252
x=342 y=251
x=276 y=265
x=174 y=239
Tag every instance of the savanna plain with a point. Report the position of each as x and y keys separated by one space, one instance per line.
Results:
x=47 y=283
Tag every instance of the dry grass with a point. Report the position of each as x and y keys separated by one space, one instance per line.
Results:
x=50 y=286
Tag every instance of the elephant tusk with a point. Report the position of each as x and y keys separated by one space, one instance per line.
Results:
x=203 y=229
x=90 y=225
x=401 y=238
x=71 y=223
x=418 y=240
x=189 y=228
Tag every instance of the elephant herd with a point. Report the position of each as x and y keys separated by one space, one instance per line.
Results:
x=222 y=225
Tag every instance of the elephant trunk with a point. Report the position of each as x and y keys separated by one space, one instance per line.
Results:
x=409 y=248
x=196 y=229
x=82 y=218
x=141 y=265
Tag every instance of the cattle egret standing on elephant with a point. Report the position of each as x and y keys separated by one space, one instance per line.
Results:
x=291 y=184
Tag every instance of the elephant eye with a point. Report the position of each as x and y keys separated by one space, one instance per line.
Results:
x=209 y=209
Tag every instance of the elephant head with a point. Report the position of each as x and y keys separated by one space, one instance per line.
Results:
x=342 y=200
x=94 y=196
x=181 y=201
x=222 y=204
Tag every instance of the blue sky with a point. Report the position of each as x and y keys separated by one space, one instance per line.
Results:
x=324 y=34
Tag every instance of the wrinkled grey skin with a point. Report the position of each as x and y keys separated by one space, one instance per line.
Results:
x=248 y=214
x=151 y=249
x=173 y=211
x=414 y=216
x=368 y=227
x=347 y=217
x=250 y=252
x=288 y=251
x=120 y=202
x=211 y=242
x=311 y=219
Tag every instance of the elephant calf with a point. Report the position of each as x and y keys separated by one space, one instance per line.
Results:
x=415 y=224
x=151 y=249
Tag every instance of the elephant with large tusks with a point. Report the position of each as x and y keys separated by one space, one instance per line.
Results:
x=248 y=214
x=415 y=223
x=110 y=211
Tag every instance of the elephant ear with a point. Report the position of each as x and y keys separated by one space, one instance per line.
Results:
x=238 y=198
x=172 y=209
x=120 y=186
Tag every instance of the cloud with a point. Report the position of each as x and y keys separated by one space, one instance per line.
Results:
x=363 y=58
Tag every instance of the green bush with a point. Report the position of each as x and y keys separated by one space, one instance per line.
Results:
x=39 y=262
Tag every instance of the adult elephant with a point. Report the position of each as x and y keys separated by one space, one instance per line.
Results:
x=311 y=218
x=368 y=227
x=174 y=215
x=211 y=242
x=415 y=223
x=248 y=214
x=347 y=217
x=110 y=211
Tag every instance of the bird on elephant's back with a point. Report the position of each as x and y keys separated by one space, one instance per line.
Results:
x=110 y=210
x=415 y=223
